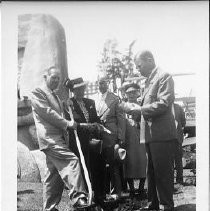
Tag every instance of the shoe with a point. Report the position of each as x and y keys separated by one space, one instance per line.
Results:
x=124 y=195
x=142 y=195
x=113 y=197
x=151 y=208
x=166 y=208
x=81 y=203
x=169 y=209
x=179 y=181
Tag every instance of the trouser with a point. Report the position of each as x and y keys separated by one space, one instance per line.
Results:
x=178 y=162
x=98 y=166
x=114 y=168
x=160 y=173
x=62 y=168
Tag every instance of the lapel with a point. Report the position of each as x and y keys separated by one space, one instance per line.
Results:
x=149 y=82
x=87 y=105
x=55 y=103
x=78 y=110
x=105 y=104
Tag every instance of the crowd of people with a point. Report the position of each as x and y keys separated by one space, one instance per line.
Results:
x=138 y=140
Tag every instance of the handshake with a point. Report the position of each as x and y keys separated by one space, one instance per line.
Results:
x=90 y=127
x=132 y=109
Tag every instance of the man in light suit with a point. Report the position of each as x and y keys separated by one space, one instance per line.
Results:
x=113 y=119
x=158 y=131
x=63 y=166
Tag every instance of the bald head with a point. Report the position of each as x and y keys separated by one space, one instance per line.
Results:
x=145 y=55
x=144 y=62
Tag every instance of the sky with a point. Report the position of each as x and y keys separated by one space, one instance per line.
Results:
x=176 y=33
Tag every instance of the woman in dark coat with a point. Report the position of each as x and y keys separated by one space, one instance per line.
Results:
x=136 y=160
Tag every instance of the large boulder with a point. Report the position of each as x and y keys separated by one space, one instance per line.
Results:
x=40 y=159
x=27 y=166
x=45 y=47
x=25 y=137
x=26 y=128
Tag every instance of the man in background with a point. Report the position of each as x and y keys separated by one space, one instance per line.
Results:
x=113 y=119
x=181 y=121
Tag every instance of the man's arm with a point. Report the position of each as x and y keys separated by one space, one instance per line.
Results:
x=182 y=117
x=41 y=107
x=121 y=123
x=165 y=97
x=94 y=112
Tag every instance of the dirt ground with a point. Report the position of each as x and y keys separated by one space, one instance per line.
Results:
x=29 y=196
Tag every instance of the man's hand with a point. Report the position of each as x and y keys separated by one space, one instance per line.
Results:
x=116 y=147
x=91 y=127
x=69 y=103
x=72 y=124
x=130 y=108
x=136 y=116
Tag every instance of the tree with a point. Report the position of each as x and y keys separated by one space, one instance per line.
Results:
x=127 y=60
x=114 y=64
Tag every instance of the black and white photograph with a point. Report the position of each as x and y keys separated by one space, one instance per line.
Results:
x=105 y=106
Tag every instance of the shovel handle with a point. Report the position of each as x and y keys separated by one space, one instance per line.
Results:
x=86 y=174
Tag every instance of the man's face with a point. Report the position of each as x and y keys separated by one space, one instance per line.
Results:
x=53 y=79
x=132 y=95
x=143 y=66
x=79 y=92
x=103 y=86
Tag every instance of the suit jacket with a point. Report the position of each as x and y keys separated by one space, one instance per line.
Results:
x=156 y=109
x=180 y=118
x=113 y=118
x=91 y=109
x=84 y=136
x=48 y=117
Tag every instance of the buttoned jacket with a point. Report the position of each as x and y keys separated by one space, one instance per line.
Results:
x=90 y=107
x=113 y=117
x=157 y=101
x=48 y=116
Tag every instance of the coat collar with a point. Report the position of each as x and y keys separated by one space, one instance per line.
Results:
x=105 y=103
x=55 y=101
x=149 y=81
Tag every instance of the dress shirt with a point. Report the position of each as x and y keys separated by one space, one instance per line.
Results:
x=84 y=110
x=101 y=101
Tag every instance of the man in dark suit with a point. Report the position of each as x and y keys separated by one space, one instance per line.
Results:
x=158 y=131
x=84 y=111
x=114 y=120
x=181 y=121
x=62 y=164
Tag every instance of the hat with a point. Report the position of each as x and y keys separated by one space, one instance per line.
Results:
x=76 y=83
x=129 y=87
x=120 y=153
x=103 y=79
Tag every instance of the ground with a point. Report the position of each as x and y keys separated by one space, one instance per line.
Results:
x=29 y=196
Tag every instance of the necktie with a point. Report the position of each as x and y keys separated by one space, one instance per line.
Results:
x=56 y=97
x=142 y=130
x=84 y=110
